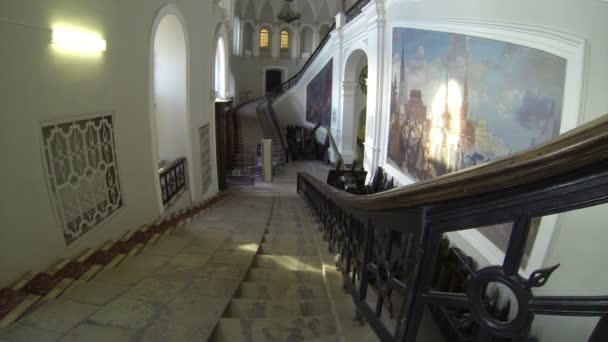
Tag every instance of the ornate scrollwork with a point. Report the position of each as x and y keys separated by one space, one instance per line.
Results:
x=82 y=172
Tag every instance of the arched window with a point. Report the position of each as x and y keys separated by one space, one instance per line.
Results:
x=284 y=40
x=220 y=68
x=263 y=38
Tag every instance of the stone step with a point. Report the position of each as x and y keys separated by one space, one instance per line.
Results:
x=282 y=276
x=284 y=329
x=287 y=262
x=293 y=249
x=332 y=338
x=281 y=308
x=287 y=238
x=260 y=290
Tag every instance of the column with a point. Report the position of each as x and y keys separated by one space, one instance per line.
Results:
x=256 y=41
x=315 y=38
x=294 y=41
x=347 y=138
x=378 y=97
x=275 y=42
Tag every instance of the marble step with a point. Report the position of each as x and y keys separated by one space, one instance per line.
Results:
x=294 y=248
x=287 y=262
x=281 y=238
x=282 y=276
x=278 y=308
x=332 y=338
x=284 y=329
x=261 y=290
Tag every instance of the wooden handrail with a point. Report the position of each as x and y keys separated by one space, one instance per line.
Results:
x=575 y=150
x=337 y=155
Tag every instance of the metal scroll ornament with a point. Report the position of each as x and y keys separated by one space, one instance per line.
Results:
x=363 y=80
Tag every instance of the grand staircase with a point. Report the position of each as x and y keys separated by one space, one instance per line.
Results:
x=283 y=296
x=270 y=132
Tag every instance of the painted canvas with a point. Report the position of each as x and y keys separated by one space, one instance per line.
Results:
x=458 y=101
x=318 y=96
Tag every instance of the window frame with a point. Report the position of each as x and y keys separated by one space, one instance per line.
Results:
x=264 y=35
x=285 y=43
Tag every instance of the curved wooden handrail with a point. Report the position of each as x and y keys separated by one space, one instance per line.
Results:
x=582 y=147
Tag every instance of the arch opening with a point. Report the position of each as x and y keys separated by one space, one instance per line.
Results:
x=354 y=106
x=220 y=77
x=170 y=89
x=306 y=42
x=248 y=39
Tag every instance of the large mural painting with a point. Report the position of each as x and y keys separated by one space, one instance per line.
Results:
x=458 y=101
x=318 y=96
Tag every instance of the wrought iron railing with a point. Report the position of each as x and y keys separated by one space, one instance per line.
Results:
x=355 y=10
x=387 y=245
x=277 y=126
x=172 y=179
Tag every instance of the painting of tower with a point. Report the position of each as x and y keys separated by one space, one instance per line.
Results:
x=457 y=101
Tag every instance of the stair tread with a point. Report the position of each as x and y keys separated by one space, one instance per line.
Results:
x=276 y=329
x=271 y=290
x=277 y=308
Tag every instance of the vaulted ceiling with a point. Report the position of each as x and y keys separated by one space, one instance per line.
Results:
x=312 y=11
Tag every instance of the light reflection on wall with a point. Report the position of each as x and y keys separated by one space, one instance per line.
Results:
x=77 y=41
x=445 y=118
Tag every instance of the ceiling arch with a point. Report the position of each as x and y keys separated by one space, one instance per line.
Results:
x=313 y=11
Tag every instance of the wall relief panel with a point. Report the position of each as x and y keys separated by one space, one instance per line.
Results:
x=82 y=172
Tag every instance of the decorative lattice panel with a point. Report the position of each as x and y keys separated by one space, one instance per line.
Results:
x=205 y=157
x=82 y=172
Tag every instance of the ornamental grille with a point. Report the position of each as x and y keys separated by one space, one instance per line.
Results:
x=82 y=172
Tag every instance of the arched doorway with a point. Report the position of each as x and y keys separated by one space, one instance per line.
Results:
x=220 y=79
x=273 y=79
x=354 y=104
x=170 y=107
x=306 y=41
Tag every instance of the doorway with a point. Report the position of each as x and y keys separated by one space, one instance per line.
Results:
x=274 y=78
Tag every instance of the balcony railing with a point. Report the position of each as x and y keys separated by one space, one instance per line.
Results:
x=172 y=179
x=355 y=10
x=388 y=244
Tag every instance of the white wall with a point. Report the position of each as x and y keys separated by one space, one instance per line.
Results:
x=170 y=89
x=39 y=84
x=250 y=74
x=580 y=237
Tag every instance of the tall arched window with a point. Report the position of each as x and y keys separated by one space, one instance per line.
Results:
x=284 y=40
x=263 y=38
x=220 y=68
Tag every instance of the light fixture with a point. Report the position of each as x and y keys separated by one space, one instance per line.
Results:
x=79 y=41
x=287 y=14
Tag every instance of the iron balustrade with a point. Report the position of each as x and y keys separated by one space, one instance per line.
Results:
x=355 y=10
x=387 y=245
x=172 y=179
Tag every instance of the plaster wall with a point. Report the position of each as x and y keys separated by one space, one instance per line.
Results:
x=40 y=84
x=250 y=73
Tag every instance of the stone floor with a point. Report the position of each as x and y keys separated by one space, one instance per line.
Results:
x=178 y=289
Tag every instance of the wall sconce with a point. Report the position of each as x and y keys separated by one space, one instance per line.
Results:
x=78 y=41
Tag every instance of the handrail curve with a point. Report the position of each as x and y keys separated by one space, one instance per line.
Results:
x=572 y=151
